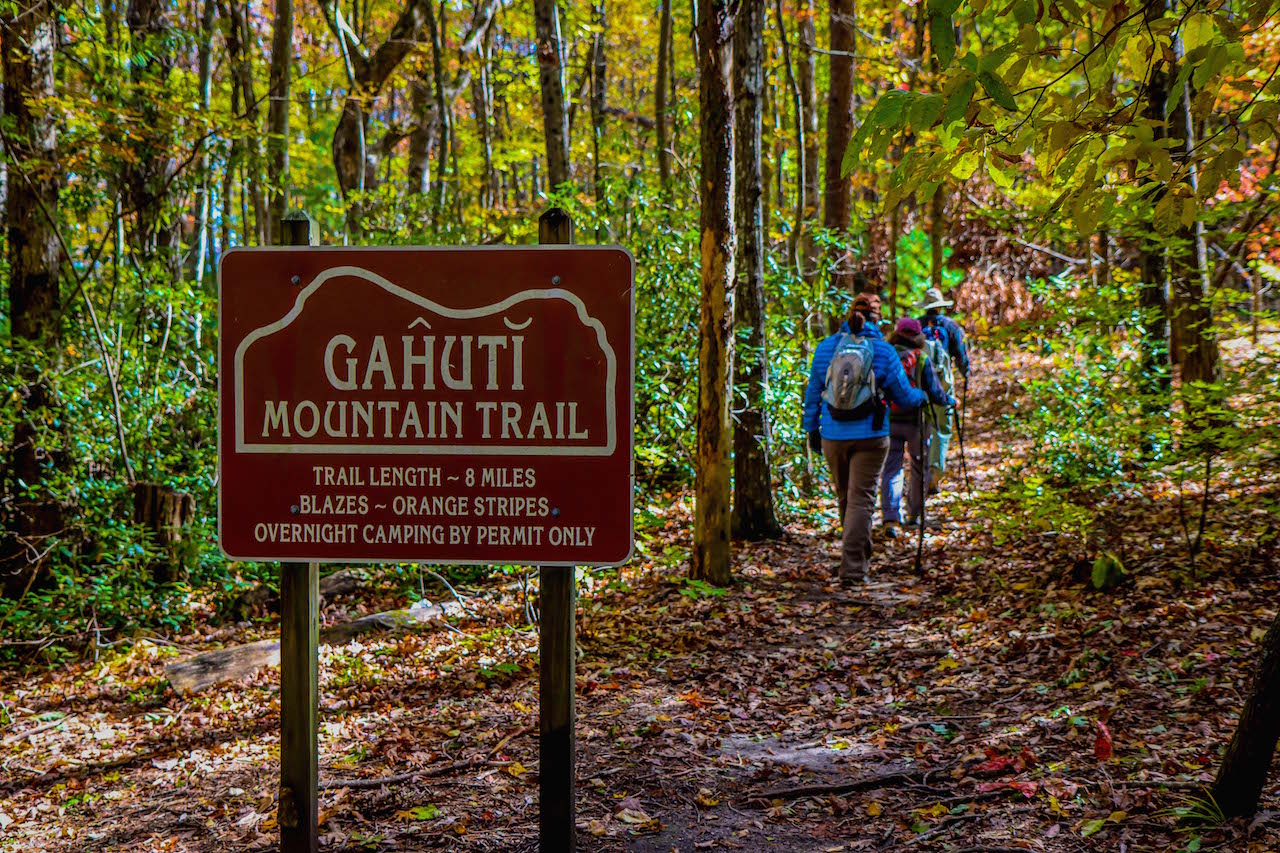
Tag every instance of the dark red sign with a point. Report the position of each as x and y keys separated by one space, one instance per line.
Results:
x=426 y=405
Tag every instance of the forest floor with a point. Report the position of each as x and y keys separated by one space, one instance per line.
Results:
x=993 y=702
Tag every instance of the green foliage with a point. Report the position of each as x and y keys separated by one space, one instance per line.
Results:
x=1108 y=571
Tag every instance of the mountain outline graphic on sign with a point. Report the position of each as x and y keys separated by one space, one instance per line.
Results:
x=244 y=444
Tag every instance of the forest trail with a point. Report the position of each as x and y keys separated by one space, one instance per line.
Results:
x=994 y=702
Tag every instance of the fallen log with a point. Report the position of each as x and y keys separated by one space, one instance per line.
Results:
x=237 y=663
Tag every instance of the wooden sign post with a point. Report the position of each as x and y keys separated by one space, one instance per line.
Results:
x=557 y=753
x=425 y=405
x=299 y=810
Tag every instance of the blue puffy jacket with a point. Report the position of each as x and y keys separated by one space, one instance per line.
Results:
x=891 y=380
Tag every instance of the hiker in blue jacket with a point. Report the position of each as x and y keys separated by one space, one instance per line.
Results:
x=940 y=327
x=905 y=435
x=845 y=416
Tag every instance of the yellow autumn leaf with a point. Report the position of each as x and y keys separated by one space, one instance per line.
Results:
x=515 y=768
x=874 y=809
x=948 y=663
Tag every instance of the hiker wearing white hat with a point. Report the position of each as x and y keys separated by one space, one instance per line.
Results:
x=948 y=352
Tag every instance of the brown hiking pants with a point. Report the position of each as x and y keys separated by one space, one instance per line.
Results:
x=855 y=467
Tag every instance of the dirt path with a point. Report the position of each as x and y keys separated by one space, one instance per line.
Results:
x=992 y=702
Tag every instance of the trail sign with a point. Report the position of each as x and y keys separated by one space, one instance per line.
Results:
x=429 y=405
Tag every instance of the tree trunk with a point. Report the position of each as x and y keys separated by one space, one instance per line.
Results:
x=753 y=513
x=711 y=556
x=444 y=115
x=937 y=232
x=1153 y=299
x=660 y=98
x=1243 y=773
x=166 y=514
x=555 y=120
x=1103 y=279
x=482 y=96
x=798 y=223
x=147 y=178
x=599 y=97
x=839 y=134
x=239 y=41
x=421 y=138
x=28 y=41
x=278 y=117
x=201 y=208
x=1198 y=342
x=809 y=111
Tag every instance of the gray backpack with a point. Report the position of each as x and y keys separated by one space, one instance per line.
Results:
x=850 y=390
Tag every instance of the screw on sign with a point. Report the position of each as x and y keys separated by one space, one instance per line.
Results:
x=432 y=405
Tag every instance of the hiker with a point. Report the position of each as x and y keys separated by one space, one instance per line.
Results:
x=904 y=430
x=946 y=348
x=845 y=415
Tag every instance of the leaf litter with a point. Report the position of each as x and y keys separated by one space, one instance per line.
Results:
x=995 y=702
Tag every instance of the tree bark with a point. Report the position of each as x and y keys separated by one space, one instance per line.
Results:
x=555 y=120
x=421 y=138
x=753 y=511
x=1243 y=773
x=937 y=232
x=798 y=222
x=1189 y=273
x=201 y=208
x=660 y=98
x=239 y=40
x=28 y=41
x=482 y=97
x=148 y=176
x=711 y=554
x=809 y=111
x=1155 y=382
x=839 y=134
x=444 y=115
x=278 y=117
x=166 y=514
x=599 y=97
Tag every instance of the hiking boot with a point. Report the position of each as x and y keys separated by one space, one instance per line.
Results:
x=891 y=530
x=850 y=579
x=929 y=524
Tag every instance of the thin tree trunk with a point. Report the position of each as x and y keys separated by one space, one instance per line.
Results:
x=797 y=226
x=147 y=177
x=753 y=511
x=555 y=120
x=444 y=115
x=711 y=527
x=482 y=96
x=278 y=117
x=238 y=41
x=599 y=97
x=660 y=98
x=937 y=233
x=839 y=134
x=1198 y=342
x=421 y=138
x=201 y=208
x=1243 y=774
x=28 y=42
x=1153 y=299
x=1104 y=259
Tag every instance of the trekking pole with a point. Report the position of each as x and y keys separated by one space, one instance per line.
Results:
x=924 y=485
x=961 y=417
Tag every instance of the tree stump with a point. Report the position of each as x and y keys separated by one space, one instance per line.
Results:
x=165 y=513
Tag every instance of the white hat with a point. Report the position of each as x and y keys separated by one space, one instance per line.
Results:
x=933 y=299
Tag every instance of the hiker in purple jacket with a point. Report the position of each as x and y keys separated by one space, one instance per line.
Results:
x=855 y=364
